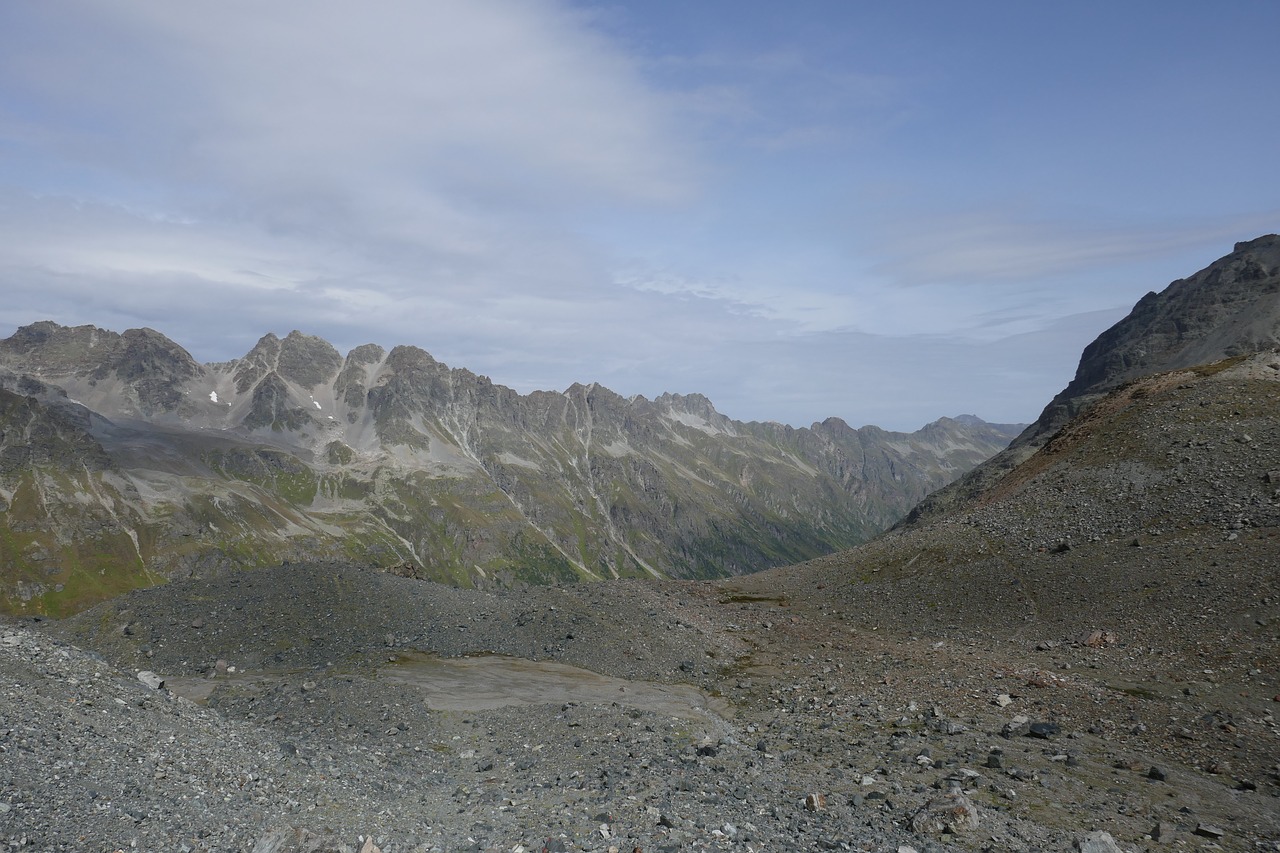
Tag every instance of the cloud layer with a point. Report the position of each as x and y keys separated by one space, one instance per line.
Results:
x=551 y=192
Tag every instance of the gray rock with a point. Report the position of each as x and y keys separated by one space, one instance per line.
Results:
x=1044 y=731
x=150 y=679
x=953 y=813
x=1098 y=842
x=1016 y=727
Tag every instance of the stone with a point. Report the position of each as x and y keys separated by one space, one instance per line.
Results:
x=1207 y=830
x=1042 y=679
x=815 y=802
x=1044 y=731
x=1097 y=639
x=150 y=679
x=1158 y=774
x=1016 y=727
x=1093 y=639
x=947 y=727
x=1098 y=842
x=1004 y=700
x=1162 y=832
x=951 y=813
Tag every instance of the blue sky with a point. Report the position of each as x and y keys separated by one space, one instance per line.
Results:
x=884 y=212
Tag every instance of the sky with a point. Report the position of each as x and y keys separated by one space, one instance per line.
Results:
x=883 y=212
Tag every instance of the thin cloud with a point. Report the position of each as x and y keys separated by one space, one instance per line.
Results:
x=980 y=247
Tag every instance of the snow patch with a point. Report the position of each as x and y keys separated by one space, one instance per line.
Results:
x=213 y=396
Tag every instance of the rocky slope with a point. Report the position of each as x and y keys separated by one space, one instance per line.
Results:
x=153 y=465
x=1228 y=309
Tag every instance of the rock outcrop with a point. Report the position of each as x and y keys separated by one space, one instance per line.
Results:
x=1229 y=309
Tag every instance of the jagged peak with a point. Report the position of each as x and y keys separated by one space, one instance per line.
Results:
x=834 y=423
x=257 y=362
x=366 y=354
x=268 y=343
x=408 y=353
x=307 y=360
x=43 y=331
x=1229 y=308
x=693 y=403
x=1266 y=241
x=60 y=347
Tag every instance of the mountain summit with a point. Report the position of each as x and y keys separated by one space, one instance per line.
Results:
x=1229 y=309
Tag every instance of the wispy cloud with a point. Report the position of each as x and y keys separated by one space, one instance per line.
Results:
x=986 y=246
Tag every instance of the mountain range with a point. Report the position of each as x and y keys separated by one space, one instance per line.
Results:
x=124 y=461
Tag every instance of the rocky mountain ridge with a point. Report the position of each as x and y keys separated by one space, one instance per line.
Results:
x=1229 y=309
x=157 y=465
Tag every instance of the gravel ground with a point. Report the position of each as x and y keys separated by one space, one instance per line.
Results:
x=1093 y=649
